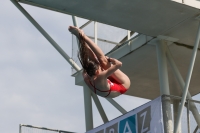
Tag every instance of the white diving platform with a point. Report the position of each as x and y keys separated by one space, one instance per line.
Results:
x=152 y=18
x=159 y=60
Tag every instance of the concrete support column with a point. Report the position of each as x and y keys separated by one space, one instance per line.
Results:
x=164 y=85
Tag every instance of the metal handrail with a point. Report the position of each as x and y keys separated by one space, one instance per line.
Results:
x=44 y=128
x=178 y=97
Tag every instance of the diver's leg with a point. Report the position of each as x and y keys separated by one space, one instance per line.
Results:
x=121 y=78
x=118 y=75
x=94 y=47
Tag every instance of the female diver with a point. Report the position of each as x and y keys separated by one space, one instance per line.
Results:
x=100 y=73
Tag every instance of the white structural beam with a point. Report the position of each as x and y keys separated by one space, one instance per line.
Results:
x=162 y=67
x=95 y=98
x=103 y=40
x=46 y=35
x=88 y=108
x=188 y=115
x=87 y=97
x=128 y=35
x=180 y=80
x=116 y=105
x=100 y=108
x=164 y=85
x=20 y=128
x=196 y=129
x=95 y=32
x=85 y=24
x=195 y=49
x=75 y=23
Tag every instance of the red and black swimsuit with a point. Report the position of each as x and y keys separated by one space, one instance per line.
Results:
x=95 y=89
x=114 y=86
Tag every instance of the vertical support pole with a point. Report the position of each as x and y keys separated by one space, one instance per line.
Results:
x=179 y=78
x=116 y=105
x=175 y=107
x=128 y=35
x=195 y=49
x=164 y=85
x=87 y=95
x=20 y=128
x=88 y=108
x=99 y=107
x=95 y=32
x=75 y=23
x=162 y=67
x=188 y=115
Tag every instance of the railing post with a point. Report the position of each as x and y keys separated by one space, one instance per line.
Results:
x=95 y=32
x=128 y=35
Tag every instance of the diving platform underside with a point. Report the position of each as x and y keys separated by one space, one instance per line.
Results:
x=149 y=17
x=141 y=65
x=143 y=71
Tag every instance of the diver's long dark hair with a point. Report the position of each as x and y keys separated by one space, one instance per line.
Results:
x=88 y=65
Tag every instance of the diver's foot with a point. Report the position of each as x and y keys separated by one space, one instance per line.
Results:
x=76 y=31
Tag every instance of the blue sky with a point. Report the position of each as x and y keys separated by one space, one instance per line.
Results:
x=36 y=87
